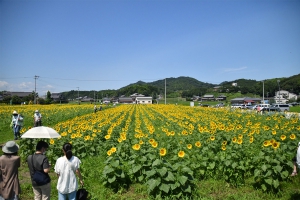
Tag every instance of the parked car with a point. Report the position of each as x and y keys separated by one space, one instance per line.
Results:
x=282 y=107
x=271 y=109
x=240 y=106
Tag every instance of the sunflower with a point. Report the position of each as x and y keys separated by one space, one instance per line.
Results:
x=136 y=147
x=151 y=141
x=109 y=152
x=224 y=143
x=282 y=137
x=113 y=149
x=198 y=144
x=107 y=137
x=154 y=144
x=189 y=146
x=234 y=139
x=293 y=136
x=212 y=138
x=162 y=152
x=141 y=142
x=51 y=141
x=240 y=136
x=240 y=141
x=181 y=154
x=223 y=147
x=275 y=145
x=267 y=143
x=273 y=132
x=73 y=136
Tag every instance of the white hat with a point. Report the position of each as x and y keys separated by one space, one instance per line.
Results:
x=10 y=147
x=15 y=112
x=36 y=110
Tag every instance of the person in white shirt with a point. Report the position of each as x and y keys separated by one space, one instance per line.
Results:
x=16 y=124
x=37 y=118
x=66 y=167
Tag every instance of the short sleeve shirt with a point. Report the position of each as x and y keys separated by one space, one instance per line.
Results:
x=40 y=163
x=66 y=169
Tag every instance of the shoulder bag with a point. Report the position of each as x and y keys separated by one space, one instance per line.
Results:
x=41 y=178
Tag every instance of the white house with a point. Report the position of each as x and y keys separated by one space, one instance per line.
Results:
x=143 y=100
x=286 y=94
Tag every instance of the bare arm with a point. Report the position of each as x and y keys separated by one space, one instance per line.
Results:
x=79 y=175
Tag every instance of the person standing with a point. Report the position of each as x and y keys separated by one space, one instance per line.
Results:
x=17 y=121
x=37 y=118
x=9 y=165
x=66 y=167
x=39 y=162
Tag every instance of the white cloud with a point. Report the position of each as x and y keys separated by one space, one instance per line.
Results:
x=234 y=69
x=3 y=85
x=26 y=86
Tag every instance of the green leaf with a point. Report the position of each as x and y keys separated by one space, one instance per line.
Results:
x=188 y=189
x=276 y=183
x=115 y=163
x=141 y=178
x=269 y=181
x=111 y=180
x=186 y=169
x=227 y=163
x=278 y=168
x=150 y=173
x=143 y=159
x=234 y=165
x=176 y=166
x=264 y=167
x=156 y=162
x=256 y=172
x=202 y=172
x=151 y=184
x=162 y=171
x=284 y=174
x=211 y=165
x=107 y=169
x=136 y=168
x=182 y=179
x=164 y=187
x=170 y=177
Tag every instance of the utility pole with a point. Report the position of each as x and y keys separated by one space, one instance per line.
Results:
x=263 y=92
x=35 y=77
x=165 y=91
x=94 y=97
x=78 y=94
x=278 y=90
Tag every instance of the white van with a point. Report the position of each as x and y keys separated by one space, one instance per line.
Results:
x=283 y=107
x=261 y=106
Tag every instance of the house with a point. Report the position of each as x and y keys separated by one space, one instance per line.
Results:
x=56 y=96
x=283 y=96
x=143 y=100
x=246 y=100
x=126 y=100
x=133 y=96
x=87 y=99
x=217 y=88
x=21 y=95
x=221 y=98
x=208 y=97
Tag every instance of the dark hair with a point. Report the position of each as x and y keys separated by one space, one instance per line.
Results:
x=10 y=154
x=40 y=145
x=67 y=147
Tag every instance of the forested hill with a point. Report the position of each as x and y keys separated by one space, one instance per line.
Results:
x=181 y=84
x=187 y=86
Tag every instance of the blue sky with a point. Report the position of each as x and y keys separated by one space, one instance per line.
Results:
x=108 y=44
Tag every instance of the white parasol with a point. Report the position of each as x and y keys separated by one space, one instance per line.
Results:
x=41 y=132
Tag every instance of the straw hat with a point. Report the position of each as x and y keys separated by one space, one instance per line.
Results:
x=15 y=112
x=36 y=111
x=10 y=147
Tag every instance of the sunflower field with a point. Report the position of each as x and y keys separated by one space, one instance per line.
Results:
x=168 y=147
